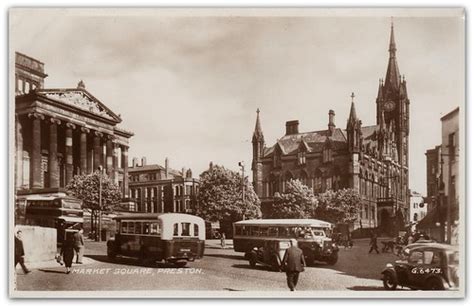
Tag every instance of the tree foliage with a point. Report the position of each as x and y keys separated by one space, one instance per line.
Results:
x=86 y=188
x=340 y=206
x=298 y=201
x=220 y=196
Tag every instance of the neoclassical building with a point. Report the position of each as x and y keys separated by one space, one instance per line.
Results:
x=371 y=159
x=62 y=132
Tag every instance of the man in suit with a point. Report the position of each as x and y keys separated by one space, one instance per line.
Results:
x=79 y=245
x=373 y=243
x=294 y=264
x=20 y=252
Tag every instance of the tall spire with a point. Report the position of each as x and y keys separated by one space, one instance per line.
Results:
x=352 y=114
x=392 y=78
x=258 y=133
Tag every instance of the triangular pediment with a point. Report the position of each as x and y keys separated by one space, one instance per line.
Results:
x=80 y=99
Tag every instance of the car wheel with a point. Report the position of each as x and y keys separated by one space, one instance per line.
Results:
x=434 y=284
x=111 y=253
x=332 y=259
x=276 y=265
x=389 y=281
x=180 y=264
x=309 y=258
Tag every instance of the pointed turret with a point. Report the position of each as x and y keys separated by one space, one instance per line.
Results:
x=353 y=120
x=392 y=78
x=258 y=133
x=353 y=129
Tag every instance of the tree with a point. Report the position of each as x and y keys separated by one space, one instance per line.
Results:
x=220 y=196
x=297 y=202
x=340 y=206
x=86 y=188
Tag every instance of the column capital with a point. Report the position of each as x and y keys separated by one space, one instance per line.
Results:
x=85 y=130
x=36 y=115
x=55 y=121
x=110 y=137
x=71 y=125
x=124 y=147
x=98 y=134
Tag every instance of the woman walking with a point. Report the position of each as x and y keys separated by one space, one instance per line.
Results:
x=67 y=251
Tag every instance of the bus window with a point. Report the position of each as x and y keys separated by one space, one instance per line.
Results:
x=263 y=231
x=273 y=231
x=131 y=227
x=283 y=231
x=185 y=229
x=124 y=227
x=146 y=228
x=238 y=230
x=196 y=230
x=254 y=230
x=138 y=227
x=175 y=229
x=154 y=228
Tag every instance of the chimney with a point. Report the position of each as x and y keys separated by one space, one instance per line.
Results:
x=134 y=162
x=183 y=172
x=143 y=161
x=292 y=127
x=166 y=167
x=331 y=125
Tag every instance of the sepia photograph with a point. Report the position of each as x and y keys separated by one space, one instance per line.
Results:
x=236 y=152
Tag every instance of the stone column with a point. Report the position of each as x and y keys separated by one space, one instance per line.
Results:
x=97 y=150
x=125 y=170
x=35 y=168
x=109 y=155
x=84 y=132
x=69 y=153
x=115 y=162
x=53 y=165
x=19 y=153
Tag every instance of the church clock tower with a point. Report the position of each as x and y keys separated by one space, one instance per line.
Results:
x=393 y=110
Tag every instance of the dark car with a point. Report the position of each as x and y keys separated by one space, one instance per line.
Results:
x=425 y=266
x=270 y=254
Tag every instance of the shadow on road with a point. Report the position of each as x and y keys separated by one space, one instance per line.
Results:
x=225 y=256
x=133 y=262
x=52 y=271
x=366 y=288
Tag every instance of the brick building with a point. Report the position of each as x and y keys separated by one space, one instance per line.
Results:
x=62 y=132
x=371 y=159
x=158 y=189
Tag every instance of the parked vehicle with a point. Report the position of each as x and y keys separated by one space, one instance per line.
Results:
x=310 y=233
x=425 y=266
x=174 y=238
x=270 y=254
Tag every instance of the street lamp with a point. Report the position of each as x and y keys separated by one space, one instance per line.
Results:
x=242 y=167
x=99 y=235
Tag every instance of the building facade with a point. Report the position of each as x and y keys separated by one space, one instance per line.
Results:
x=443 y=183
x=370 y=159
x=157 y=189
x=418 y=209
x=62 y=132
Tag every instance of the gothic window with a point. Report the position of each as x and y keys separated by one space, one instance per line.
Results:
x=329 y=183
x=301 y=158
x=327 y=155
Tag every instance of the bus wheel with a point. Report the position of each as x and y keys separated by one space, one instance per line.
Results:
x=332 y=259
x=111 y=253
x=180 y=264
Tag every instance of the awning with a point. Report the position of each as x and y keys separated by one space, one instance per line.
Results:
x=71 y=219
x=437 y=215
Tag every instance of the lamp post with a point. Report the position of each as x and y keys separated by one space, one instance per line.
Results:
x=242 y=167
x=99 y=233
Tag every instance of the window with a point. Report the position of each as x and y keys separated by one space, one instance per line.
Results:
x=124 y=227
x=154 y=228
x=273 y=231
x=146 y=228
x=196 y=230
x=131 y=227
x=175 y=229
x=185 y=229
x=138 y=228
x=301 y=158
x=416 y=257
x=238 y=230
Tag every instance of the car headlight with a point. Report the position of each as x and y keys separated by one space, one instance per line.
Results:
x=389 y=265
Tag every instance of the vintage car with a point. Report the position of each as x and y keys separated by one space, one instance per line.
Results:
x=425 y=266
x=270 y=254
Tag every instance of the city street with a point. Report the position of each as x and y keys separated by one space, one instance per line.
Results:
x=220 y=269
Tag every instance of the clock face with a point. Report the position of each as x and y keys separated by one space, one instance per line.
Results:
x=389 y=105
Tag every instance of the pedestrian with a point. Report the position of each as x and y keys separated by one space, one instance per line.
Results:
x=293 y=263
x=411 y=239
x=67 y=251
x=223 y=240
x=373 y=243
x=20 y=252
x=79 y=245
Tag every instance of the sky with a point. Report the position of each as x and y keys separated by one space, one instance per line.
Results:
x=188 y=83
